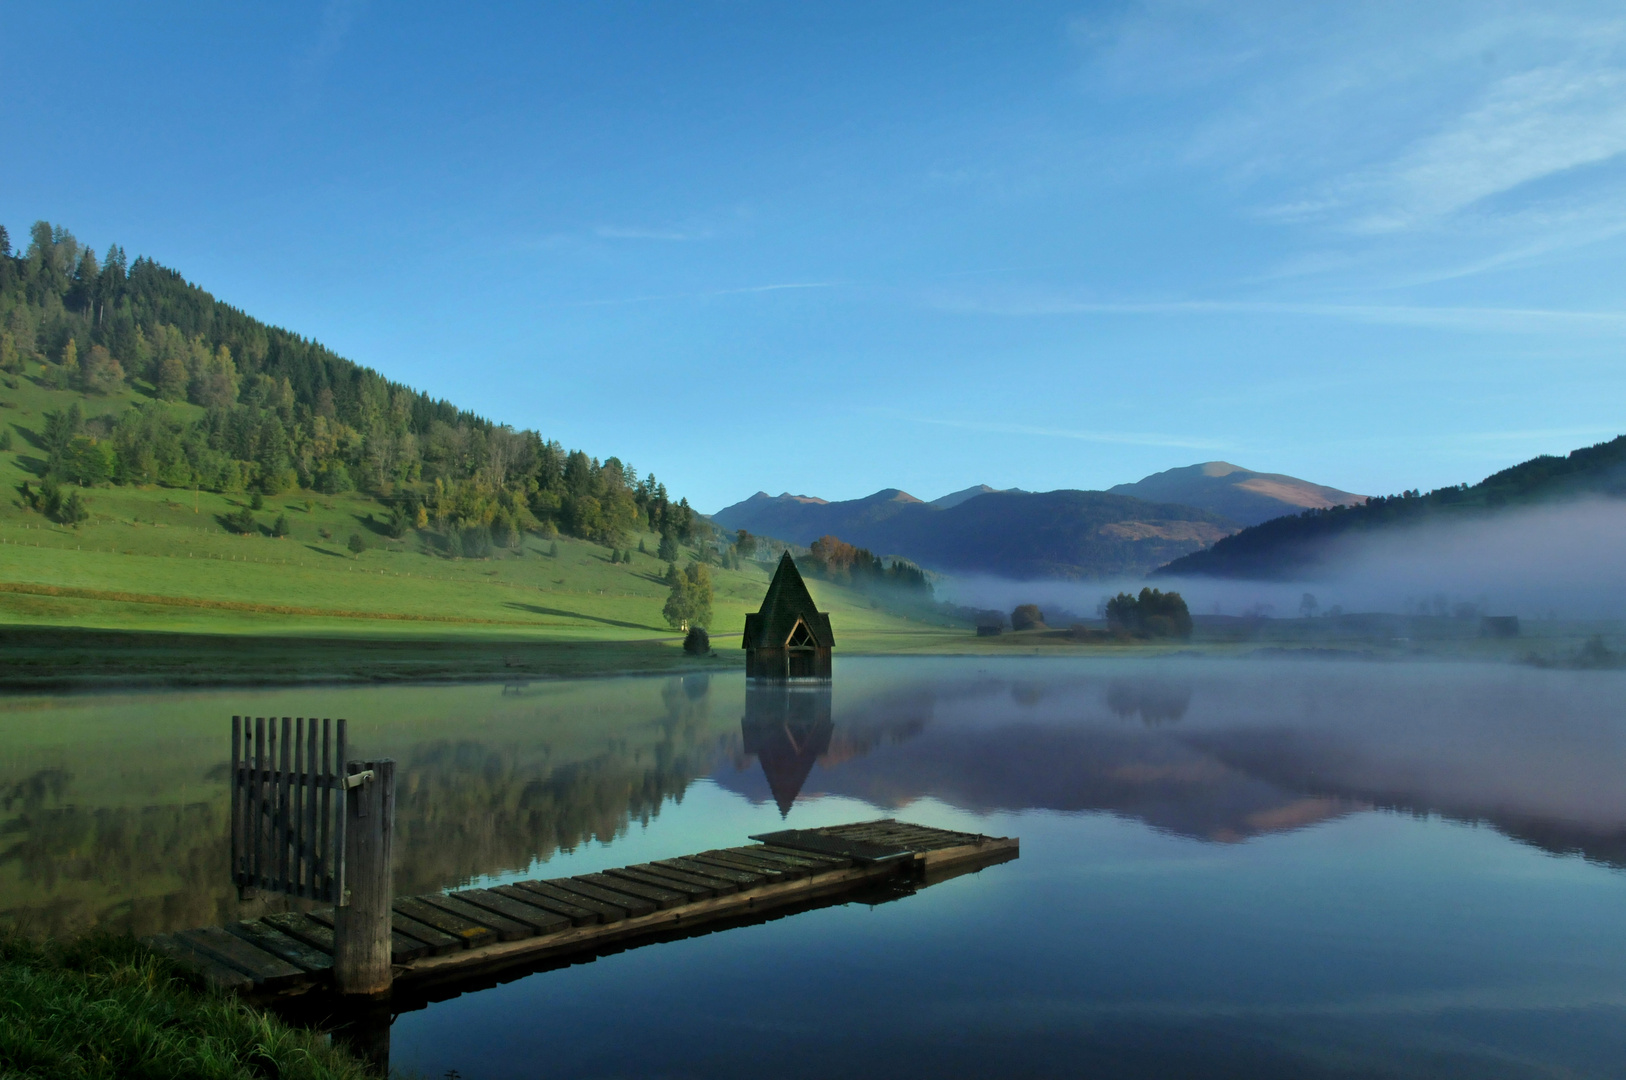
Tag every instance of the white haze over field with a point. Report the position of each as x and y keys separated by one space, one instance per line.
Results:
x=1567 y=561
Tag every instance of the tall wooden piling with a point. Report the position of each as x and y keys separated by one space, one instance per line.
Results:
x=361 y=921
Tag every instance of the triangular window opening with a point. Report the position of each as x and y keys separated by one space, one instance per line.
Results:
x=801 y=637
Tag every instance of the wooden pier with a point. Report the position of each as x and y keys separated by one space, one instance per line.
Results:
x=444 y=937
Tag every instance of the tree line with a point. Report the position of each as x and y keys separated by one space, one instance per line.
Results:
x=272 y=411
x=842 y=563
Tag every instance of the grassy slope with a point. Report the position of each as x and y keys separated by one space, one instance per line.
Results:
x=105 y=1007
x=156 y=559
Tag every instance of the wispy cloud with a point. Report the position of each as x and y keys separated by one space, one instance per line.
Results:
x=1527 y=127
x=1122 y=438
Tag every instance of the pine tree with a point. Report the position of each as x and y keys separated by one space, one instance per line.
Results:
x=679 y=609
x=668 y=550
x=697 y=587
x=280 y=527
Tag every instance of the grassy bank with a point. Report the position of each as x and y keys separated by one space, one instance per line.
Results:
x=106 y=1007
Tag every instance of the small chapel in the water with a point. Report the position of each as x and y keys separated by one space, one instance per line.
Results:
x=788 y=638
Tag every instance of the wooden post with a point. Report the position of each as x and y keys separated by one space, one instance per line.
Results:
x=361 y=920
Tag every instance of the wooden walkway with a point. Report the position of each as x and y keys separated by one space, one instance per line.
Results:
x=444 y=937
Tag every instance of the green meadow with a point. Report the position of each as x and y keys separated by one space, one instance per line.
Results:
x=154 y=587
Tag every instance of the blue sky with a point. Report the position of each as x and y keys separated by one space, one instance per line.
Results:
x=1039 y=245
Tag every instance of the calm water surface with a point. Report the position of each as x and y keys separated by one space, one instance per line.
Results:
x=1229 y=869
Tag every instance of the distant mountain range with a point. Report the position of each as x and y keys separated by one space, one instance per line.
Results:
x=1300 y=544
x=1127 y=531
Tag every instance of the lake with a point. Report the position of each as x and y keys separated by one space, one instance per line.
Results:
x=1229 y=868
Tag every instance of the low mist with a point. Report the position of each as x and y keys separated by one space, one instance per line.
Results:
x=1565 y=562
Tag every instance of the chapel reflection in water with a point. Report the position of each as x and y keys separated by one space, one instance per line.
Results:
x=788 y=727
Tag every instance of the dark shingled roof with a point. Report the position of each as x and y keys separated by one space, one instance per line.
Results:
x=787 y=601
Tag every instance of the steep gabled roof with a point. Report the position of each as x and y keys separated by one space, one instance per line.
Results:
x=787 y=601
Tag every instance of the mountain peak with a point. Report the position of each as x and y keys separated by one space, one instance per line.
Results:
x=1238 y=493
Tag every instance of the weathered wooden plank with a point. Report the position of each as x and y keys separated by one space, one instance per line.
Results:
x=465 y=930
x=403 y=947
x=264 y=968
x=718 y=886
x=507 y=929
x=296 y=925
x=783 y=870
x=277 y=943
x=812 y=844
x=221 y=975
x=236 y=802
x=729 y=862
x=572 y=910
x=438 y=941
x=839 y=853
x=661 y=898
x=688 y=891
x=256 y=807
x=624 y=904
x=779 y=858
x=539 y=919
x=743 y=878
x=284 y=797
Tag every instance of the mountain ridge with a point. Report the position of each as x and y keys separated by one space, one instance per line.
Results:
x=1295 y=545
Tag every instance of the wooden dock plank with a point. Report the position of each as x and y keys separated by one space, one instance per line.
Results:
x=507 y=929
x=819 y=842
x=780 y=858
x=686 y=892
x=277 y=943
x=713 y=870
x=440 y=943
x=403 y=949
x=629 y=905
x=539 y=919
x=469 y=932
x=719 y=886
x=581 y=910
x=573 y=914
x=266 y=969
x=220 y=975
x=661 y=898
x=817 y=858
x=303 y=927
x=778 y=870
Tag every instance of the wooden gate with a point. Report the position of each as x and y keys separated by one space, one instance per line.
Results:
x=288 y=807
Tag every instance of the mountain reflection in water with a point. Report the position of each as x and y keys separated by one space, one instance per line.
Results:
x=1224 y=751
x=131 y=833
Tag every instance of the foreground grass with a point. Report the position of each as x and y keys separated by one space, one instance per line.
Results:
x=107 y=1007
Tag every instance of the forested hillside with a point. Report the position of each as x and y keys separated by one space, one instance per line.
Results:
x=1291 y=546
x=220 y=401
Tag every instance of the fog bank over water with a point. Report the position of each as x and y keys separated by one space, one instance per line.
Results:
x=1563 y=561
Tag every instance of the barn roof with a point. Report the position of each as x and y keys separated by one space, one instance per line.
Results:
x=787 y=601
